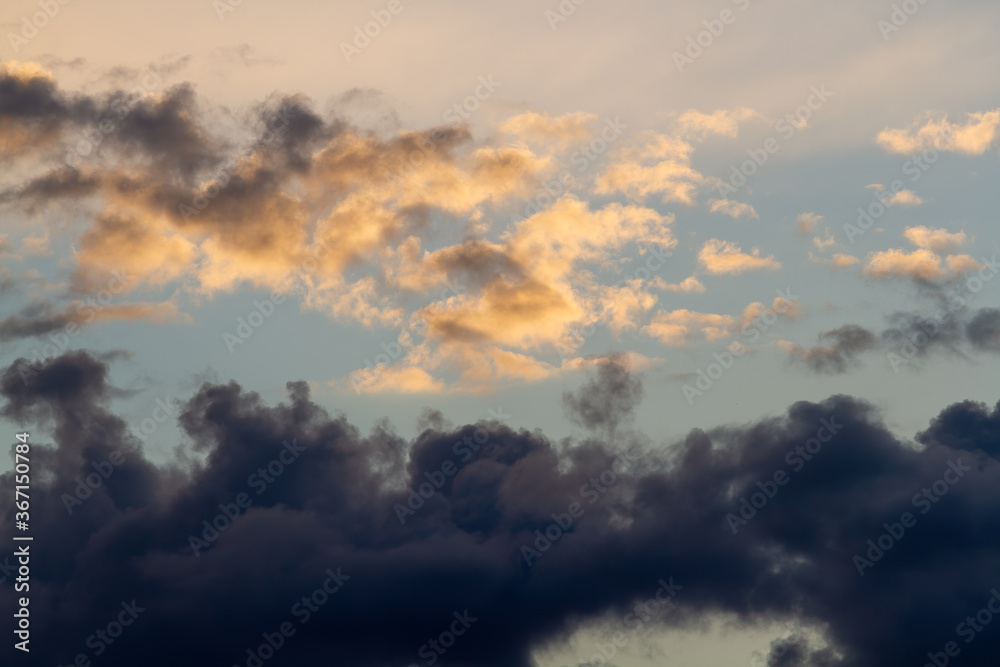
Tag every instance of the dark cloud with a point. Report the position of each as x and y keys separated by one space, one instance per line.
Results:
x=36 y=319
x=966 y=426
x=165 y=129
x=67 y=182
x=33 y=112
x=846 y=344
x=333 y=507
x=55 y=62
x=910 y=337
x=946 y=335
x=605 y=401
x=288 y=126
x=983 y=330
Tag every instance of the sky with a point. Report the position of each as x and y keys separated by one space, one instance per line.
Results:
x=527 y=256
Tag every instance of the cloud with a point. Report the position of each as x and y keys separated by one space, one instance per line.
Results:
x=780 y=306
x=723 y=257
x=733 y=209
x=563 y=131
x=807 y=222
x=973 y=137
x=35 y=246
x=722 y=122
x=903 y=198
x=662 y=167
x=825 y=242
x=846 y=344
x=42 y=318
x=689 y=285
x=676 y=328
x=921 y=265
x=935 y=240
x=335 y=505
x=837 y=261
x=606 y=400
x=983 y=331
x=339 y=217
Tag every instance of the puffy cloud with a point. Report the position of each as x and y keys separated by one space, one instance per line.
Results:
x=973 y=137
x=662 y=167
x=921 y=264
x=562 y=131
x=689 y=285
x=807 y=222
x=780 y=307
x=676 y=328
x=822 y=243
x=903 y=198
x=935 y=240
x=733 y=209
x=336 y=507
x=722 y=122
x=723 y=257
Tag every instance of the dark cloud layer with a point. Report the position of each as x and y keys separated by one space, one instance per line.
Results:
x=333 y=507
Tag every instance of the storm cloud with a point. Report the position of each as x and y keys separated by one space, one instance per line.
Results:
x=321 y=506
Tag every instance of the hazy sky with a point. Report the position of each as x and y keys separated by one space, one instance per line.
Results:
x=483 y=208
